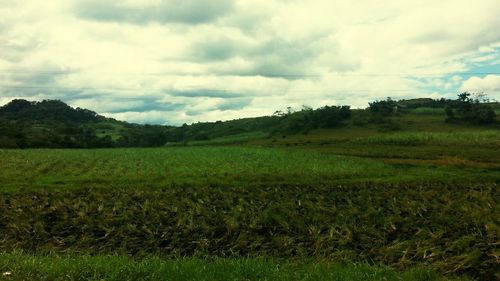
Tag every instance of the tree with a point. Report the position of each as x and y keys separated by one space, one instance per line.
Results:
x=471 y=110
x=384 y=107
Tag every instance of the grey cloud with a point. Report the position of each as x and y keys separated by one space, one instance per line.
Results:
x=275 y=49
x=284 y=58
x=144 y=106
x=234 y=104
x=206 y=93
x=249 y=22
x=37 y=83
x=229 y=104
x=192 y=113
x=435 y=36
x=34 y=78
x=13 y=47
x=216 y=50
x=277 y=58
x=296 y=59
x=455 y=43
x=14 y=53
x=21 y=87
x=112 y=104
x=186 y=11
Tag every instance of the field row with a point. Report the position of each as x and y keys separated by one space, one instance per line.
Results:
x=160 y=167
x=453 y=228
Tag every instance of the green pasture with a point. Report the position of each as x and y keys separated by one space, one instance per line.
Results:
x=245 y=166
x=28 y=267
x=317 y=206
x=488 y=138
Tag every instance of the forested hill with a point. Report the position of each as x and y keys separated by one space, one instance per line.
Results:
x=54 y=124
x=47 y=111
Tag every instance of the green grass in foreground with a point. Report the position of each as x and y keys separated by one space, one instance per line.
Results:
x=28 y=267
x=452 y=228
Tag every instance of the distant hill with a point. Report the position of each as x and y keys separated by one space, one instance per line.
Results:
x=47 y=111
x=54 y=124
x=423 y=102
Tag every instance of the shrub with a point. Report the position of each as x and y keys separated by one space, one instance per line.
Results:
x=470 y=110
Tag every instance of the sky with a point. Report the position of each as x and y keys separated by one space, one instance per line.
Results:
x=174 y=62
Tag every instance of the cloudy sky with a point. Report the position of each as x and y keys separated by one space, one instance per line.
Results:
x=170 y=62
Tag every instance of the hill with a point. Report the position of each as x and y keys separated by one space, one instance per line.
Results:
x=402 y=184
x=54 y=124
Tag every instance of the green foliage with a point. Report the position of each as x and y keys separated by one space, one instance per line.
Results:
x=416 y=198
x=231 y=139
x=53 y=124
x=49 y=123
x=428 y=111
x=467 y=109
x=383 y=107
x=453 y=228
x=308 y=119
x=180 y=165
x=67 y=267
x=248 y=167
x=423 y=103
x=483 y=138
x=143 y=136
x=284 y=203
x=47 y=110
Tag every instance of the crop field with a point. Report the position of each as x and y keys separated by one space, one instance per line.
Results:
x=33 y=169
x=295 y=208
x=484 y=138
x=467 y=148
x=243 y=166
x=237 y=140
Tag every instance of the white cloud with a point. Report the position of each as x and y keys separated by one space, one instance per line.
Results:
x=489 y=85
x=218 y=60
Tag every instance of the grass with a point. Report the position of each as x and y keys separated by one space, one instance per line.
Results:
x=107 y=129
x=245 y=166
x=315 y=206
x=453 y=228
x=428 y=111
x=232 y=139
x=165 y=166
x=484 y=138
x=28 y=267
x=442 y=146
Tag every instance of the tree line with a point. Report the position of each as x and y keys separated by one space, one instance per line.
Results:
x=54 y=124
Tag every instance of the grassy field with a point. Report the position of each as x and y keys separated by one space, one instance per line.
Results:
x=246 y=166
x=270 y=208
x=453 y=228
x=28 y=267
x=231 y=140
x=53 y=169
x=484 y=138
x=166 y=166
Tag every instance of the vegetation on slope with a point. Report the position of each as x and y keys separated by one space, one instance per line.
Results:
x=398 y=186
x=53 y=124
